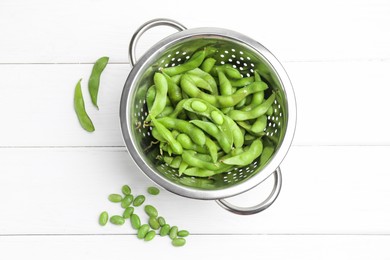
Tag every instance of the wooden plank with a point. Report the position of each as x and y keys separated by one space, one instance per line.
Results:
x=82 y=31
x=338 y=103
x=212 y=246
x=326 y=190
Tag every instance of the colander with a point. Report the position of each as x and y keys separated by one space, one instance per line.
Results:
x=245 y=54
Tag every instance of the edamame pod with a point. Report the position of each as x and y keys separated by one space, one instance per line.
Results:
x=94 y=79
x=79 y=108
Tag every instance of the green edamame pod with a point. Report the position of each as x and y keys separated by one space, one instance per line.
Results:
x=242 y=82
x=174 y=91
x=166 y=112
x=183 y=166
x=266 y=154
x=160 y=99
x=208 y=64
x=206 y=76
x=224 y=141
x=246 y=157
x=190 y=88
x=260 y=124
x=150 y=95
x=94 y=79
x=194 y=62
x=201 y=83
x=225 y=88
x=192 y=159
x=183 y=126
x=176 y=79
x=256 y=112
x=270 y=111
x=212 y=149
x=238 y=138
x=79 y=108
x=167 y=135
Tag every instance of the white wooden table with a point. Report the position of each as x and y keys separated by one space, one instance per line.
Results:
x=55 y=177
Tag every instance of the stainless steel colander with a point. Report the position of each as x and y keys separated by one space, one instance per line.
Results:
x=244 y=54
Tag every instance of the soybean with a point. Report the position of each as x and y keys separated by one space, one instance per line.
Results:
x=150 y=235
x=94 y=79
x=153 y=191
x=117 y=220
x=126 y=201
x=142 y=231
x=103 y=218
x=126 y=190
x=138 y=200
x=79 y=107
x=165 y=230
x=153 y=223
x=135 y=221
x=173 y=232
x=151 y=211
x=183 y=233
x=161 y=221
x=178 y=242
x=115 y=198
x=128 y=212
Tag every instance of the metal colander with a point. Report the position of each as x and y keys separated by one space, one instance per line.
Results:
x=242 y=53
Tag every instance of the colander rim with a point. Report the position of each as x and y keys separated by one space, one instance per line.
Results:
x=209 y=32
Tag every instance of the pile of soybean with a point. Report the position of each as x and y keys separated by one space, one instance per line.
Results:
x=148 y=230
x=208 y=118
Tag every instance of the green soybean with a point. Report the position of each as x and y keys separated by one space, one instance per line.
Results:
x=115 y=198
x=117 y=220
x=103 y=218
x=167 y=135
x=178 y=242
x=208 y=64
x=183 y=233
x=173 y=232
x=94 y=79
x=255 y=112
x=165 y=230
x=126 y=201
x=79 y=107
x=135 y=221
x=246 y=157
x=126 y=190
x=142 y=231
x=150 y=235
x=151 y=211
x=161 y=221
x=153 y=223
x=138 y=200
x=153 y=191
x=128 y=212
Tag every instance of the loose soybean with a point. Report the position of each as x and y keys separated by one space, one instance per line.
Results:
x=139 y=200
x=173 y=232
x=115 y=198
x=178 y=242
x=153 y=191
x=142 y=231
x=151 y=211
x=135 y=221
x=117 y=220
x=103 y=218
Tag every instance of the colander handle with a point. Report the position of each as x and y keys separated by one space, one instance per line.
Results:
x=146 y=26
x=259 y=207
